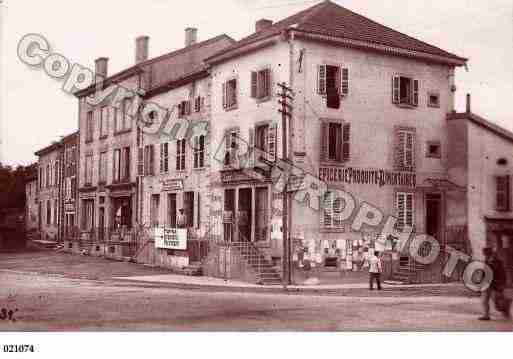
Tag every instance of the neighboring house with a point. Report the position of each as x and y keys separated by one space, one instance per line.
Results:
x=69 y=193
x=115 y=157
x=31 y=199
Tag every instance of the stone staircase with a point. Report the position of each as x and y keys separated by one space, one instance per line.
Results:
x=254 y=258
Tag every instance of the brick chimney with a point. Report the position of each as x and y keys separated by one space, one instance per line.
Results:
x=263 y=24
x=141 y=49
x=468 y=103
x=191 y=36
x=100 y=66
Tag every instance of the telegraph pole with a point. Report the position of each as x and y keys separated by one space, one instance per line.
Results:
x=285 y=95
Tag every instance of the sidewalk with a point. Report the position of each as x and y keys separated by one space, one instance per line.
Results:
x=181 y=281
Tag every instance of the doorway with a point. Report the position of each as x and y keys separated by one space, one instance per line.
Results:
x=101 y=223
x=261 y=215
x=245 y=214
x=434 y=215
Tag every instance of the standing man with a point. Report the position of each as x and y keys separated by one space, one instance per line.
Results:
x=181 y=219
x=375 y=269
x=496 y=288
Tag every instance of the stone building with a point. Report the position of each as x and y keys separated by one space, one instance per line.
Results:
x=69 y=193
x=31 y=199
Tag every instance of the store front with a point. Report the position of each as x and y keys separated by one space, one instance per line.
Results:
x=499 y=236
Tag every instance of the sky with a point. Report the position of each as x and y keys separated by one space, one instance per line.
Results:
x=34 y=111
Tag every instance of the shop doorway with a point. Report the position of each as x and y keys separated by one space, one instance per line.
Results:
x=434 y=215
x=245 y=214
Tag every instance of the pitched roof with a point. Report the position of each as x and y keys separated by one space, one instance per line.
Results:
x=508 y=135
x=332 y=20
x=171 y=66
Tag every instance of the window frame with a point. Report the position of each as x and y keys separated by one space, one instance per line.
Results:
x=438 y=154
x=506 y=192
x=181 y=152
x=342 y=142
x=89 y=132
x=199 y=152
x=431 y=104
x=234 y=94
x=413 y=92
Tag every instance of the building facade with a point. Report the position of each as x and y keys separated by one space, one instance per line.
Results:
x=31 y=199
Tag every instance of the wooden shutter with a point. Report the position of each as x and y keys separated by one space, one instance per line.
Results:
x=188 y=107
x=267 y=84
x=254 y=84
x=409 y=158
x=327 y=219
x=152 y=160
x=415 y=93
x=344 y=85
x=346 y=140
x=161 y=157
x=271 y=142
x=197 y=216
x=503 y=193
x=409 y=210
x=399 y=150
x=321 y=79
x=400 y=206
x=224 y=95
x=324 y=141
x=396 y=89
x=251 y=155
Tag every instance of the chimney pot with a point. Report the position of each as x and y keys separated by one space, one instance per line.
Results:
x=141 y=49
x=263 y=24
x=468 y=103
x=191 y=36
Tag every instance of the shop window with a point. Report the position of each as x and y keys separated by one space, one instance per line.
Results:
x=405 y=209
x=503 y=193
x=434 y=149
x=335 y=141
x=405 y=91
x=261 y=84
x=433 y=99
x=230 y=94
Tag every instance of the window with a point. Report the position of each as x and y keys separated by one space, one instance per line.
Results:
x=48 y=176
x=55 y=212
x=405 y=91
x=332 y=212
x=230 y=94
x=434 y=149
x=104 y=122
x=433 y=99
x=48 y=212
x=171 y=210
x=261 y=84
x=265 y=142
x=231 y=146
x=122 y=118
x=198 y=103
x=87 y=214
x=149 y=160
x=121 y=165
x=405 y=209
x=56 y=173
x=405 y=150
x=154 y=210
x=502 y=193
x=199 y=151
x=184 y=108
x=89 y=127
x=335 y=141
x=88 y=169
x=102 y=171
x=188 y=203
x=180 y=154
x=164 y=157
x=41 y=179
x=332 y=82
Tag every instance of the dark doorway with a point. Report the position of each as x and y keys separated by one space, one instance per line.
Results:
x=101 y=223
x=433 y=215
x=228 y=215
x=261 y=215
x=171 y=210
x=244 y=214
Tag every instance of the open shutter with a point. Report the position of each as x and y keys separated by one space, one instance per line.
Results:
x=254 y=84
x=321 y=79
x=224 y=95
x=346 y=140
x=324 y=141
x=267 y=85
x=409 y=212
x=396 y=89
x=409 y=159
x=399 y=150
x=401 y=205
x=271 y=144
x=415 y=93
x=344 y=85
x=327 y=218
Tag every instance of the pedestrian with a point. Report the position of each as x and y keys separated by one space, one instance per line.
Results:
x=496 y=288
x=181 y=220
x=375 y=269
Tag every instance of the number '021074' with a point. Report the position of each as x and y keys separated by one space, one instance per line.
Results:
x=20 y=348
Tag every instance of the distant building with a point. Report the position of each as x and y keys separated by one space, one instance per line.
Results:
x=31 y=199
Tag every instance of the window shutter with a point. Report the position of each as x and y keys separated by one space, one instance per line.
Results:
x=345 y=82
x=233 y=101
x=188 y=107
x=207 y=149
x=267 y=83
x=399 y=150
x=195 y=152
x=198 y=208
x=224 y=95
x=321 y=79
x=251 y=160
x=415 y=93
x=346 y=140
x=400 y=203
x=409 y=159
x=396 y=93
x=327 y=219
x=166 y=157
x=324 y=141
x=409 y=220
x=271 y=144
x=152 y=160
x=254 y=84
x=161 y=157
x=503 y=193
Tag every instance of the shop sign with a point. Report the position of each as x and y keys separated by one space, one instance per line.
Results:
x=172 y=185
x=377 y=177
x=170 y=238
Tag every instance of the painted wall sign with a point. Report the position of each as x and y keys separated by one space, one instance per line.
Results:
x=172 y=185
x=378 y=177
x=170 y=238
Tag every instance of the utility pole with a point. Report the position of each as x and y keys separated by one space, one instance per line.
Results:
x=285 y=95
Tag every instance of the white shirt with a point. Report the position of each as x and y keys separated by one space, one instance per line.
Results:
x=375 y=264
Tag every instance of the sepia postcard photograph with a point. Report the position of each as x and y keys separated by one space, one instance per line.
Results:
x=174 y=169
